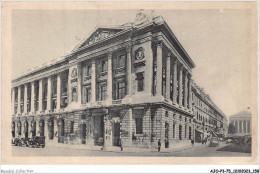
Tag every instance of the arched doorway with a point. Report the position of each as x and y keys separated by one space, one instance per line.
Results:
x=180 y=132
x=83 y=133
x=61 y=131
x=26 y=129
x=61 y=127
x=33 y=128
x=189 y=133
x=51 y=129
x=19 y=128
x=13 y=129
x=41 y=127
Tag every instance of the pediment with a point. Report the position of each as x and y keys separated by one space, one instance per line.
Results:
x=98 y=35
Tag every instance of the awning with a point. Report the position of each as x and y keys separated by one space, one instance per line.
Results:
x=200 y=131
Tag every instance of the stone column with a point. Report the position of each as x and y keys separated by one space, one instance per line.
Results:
x=246 y=126
x=32 y=97
x=93 y=81
x=19 y=100
x=180 y=85
x=185 y=88
x=175 y=92
x=159 y=69
x=130 y=113
x=242 y=125
x=190 y=93
x=46 y=129
x=40 y=95
x=13 y=100
x=79 y=83
x=58 y=91
x=237 y=126
x=49 y=95
x=29 y=128
x=25 y=98
x=168 y=77
x=109 y=78
x=55 y=129
x=37 y=128
x=129 y=70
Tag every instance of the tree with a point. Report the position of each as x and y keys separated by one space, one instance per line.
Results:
x=231 y=129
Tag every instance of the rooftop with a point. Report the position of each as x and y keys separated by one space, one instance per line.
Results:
x=241 y=114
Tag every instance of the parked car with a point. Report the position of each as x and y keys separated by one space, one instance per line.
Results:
x=37 y=141
x=24 y=142
x=214 y=141
x=15 y=141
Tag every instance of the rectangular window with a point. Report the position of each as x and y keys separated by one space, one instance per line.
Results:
x=103 y=92
x=185 y=131
x=87 y=70
x=121 y=61
x=54 y=87
x=140 y=82
x=72 y=127
x=121 y=89
x=139 y=125
x=103 y=65
x=173 y=130
x=29 y=99
x=45 y=96
x=86 y=94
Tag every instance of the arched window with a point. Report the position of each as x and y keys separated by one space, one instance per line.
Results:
x=173 y=130
x=180 y=132
x=74 y=94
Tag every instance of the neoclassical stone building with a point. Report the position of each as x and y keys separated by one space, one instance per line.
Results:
x=242 y=123
x=208 y=117
x=130 y=82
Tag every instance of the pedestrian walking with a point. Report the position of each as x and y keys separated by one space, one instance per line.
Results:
x=192 y=142
x=159 y=145
x=121 y=144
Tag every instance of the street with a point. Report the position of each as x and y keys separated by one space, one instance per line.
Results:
x=201 y=151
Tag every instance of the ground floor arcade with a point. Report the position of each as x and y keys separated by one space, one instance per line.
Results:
x=141 y=126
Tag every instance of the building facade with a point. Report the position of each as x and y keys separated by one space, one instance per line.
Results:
x=131 y=82
x=208 y=117
x=242 y=123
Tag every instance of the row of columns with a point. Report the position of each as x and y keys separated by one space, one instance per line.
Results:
x=37 y=124
x=176 y=90
x=33 y=95
x=93 y=86
x=243 y=128
x=109 y=97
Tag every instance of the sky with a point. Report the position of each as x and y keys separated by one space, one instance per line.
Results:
x=218 y=42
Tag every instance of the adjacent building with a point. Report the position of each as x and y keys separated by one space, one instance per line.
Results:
x=242 y=123
x=131 y=82
x=208 y=117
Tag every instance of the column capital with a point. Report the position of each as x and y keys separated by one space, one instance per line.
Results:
x=93 y=60
x=157 y=41
x=79 y=64
x=169 y=54
x=185 y=72
x=128 y=47
x=59 y=74
x=189 y=75
x=109 y=54
x=175 y=59
x=33 y=82
x=181 y=66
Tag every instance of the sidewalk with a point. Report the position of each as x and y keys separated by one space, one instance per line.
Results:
x=126 y=149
